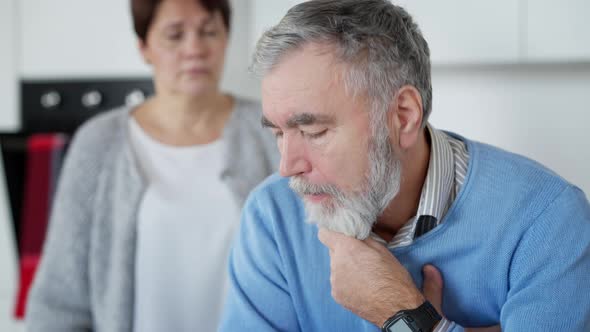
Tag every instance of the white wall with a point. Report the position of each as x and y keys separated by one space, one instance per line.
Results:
x=236 y=78
x=541 y=111
x=9 y=119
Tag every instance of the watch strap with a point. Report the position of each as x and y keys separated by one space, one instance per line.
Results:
x=423 y=318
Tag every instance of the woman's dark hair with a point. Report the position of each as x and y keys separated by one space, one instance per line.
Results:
x=143 y=12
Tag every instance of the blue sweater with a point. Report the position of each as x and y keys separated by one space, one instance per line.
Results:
x=514 y=249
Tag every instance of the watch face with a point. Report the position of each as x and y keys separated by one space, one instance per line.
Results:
x=399 y=326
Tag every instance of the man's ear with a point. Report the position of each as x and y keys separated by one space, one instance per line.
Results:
x=405 y=116
x=143 y=50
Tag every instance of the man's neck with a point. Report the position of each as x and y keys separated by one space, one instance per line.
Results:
x=404 y=206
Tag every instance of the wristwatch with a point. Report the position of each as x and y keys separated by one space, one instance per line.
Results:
x=422 y=319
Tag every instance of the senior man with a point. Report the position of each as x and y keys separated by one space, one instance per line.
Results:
x=347 y=91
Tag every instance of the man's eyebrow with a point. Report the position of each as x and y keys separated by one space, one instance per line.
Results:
x=301 y=119
x=266 y=123
x=308 y=119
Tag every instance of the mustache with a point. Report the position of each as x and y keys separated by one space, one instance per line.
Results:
x=302 y=187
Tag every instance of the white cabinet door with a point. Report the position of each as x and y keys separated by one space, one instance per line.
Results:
x=9 y=119
x=458 y=31
x=558 y=30
x=468 y=31
x=77 y=38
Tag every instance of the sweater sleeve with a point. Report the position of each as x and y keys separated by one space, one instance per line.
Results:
x=59 y=298
x=549 y=271
x=258 y=299
x=549 y=274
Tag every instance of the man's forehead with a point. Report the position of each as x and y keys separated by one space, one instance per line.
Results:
x=307 y=67
x=305 y=87
x=290 y=103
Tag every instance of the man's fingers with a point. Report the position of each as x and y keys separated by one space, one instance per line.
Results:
x=374 y=244
x=433 y=286
x=332 y=239
x=433 y=290
x=326 y=237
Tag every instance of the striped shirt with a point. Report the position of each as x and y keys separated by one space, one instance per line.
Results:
x=445 y=176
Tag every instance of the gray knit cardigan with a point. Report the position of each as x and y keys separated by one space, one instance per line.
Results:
x=85 y=281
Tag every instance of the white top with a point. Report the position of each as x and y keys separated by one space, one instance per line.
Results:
x=186 y=221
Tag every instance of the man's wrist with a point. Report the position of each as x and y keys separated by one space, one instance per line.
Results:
x=412 y=302
x=422 y=318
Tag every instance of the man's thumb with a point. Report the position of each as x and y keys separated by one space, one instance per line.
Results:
x=433 y=287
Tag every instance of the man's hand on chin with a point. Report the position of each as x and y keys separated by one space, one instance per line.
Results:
x=367 y=279
x=370 y=282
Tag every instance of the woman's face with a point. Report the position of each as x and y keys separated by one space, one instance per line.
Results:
x=185 y=45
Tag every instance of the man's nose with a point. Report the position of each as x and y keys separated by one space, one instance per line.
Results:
x=293 y=158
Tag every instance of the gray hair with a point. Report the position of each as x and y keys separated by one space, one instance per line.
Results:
x=382 y=46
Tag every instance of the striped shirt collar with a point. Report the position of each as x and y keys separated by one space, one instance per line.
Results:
x=436 y=192
x=443 y=180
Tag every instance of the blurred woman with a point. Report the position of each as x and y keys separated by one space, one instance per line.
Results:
x=149 y=197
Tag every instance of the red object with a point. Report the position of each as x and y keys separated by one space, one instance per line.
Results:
x=42 y=151
x=44 y=155
x=28 y=266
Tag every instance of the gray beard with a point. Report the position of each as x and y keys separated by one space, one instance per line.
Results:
x=354 y=214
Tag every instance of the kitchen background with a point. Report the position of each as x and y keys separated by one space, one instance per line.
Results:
x=514 y=73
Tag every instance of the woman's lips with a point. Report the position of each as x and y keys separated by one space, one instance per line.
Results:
x=196 y=71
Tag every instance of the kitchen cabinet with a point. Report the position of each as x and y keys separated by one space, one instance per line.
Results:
x=458 y=31
x=557 y=31
x=72 y=39
x=464 y=32
x=77 y=38
x=9 y=118
x=468 y=32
